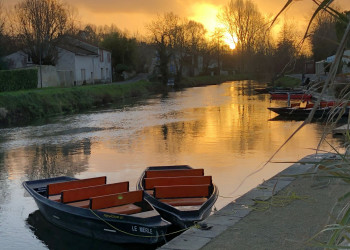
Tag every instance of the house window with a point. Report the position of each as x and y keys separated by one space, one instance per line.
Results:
x=102 y=74
x=109 y=57
x=107 y=75
x=101 y=55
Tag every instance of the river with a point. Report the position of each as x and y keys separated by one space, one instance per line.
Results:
x=225 y=129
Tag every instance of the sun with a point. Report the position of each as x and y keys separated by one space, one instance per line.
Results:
x=231 y=42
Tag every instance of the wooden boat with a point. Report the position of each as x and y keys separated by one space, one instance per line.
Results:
x=92 y=208
x=181 y=194
x=300 y=110
x=283 y=95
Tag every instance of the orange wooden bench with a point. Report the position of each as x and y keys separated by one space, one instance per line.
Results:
x=184 y=195
x=54 y=190
x=174 y=173
x=150 y=183
x=118 y=203
x=80 y=197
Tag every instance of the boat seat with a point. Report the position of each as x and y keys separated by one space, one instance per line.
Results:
x=114 y=200
x=56 y=198
x=183 y=191
x=184 y=201
x=124 y=209
x=176 y=181
x=57 y=188
x=174 y=173
x=82 y=204
x=79 y=194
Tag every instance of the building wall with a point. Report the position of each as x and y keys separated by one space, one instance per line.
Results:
x=66 y=68
x=84 y=70
x=70 y=69
x=103 y=66
x=49 y=76
x=18 y=60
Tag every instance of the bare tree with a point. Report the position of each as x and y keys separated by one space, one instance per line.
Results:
x=2 y=20
x=244 y=22
x=39 y=25
x=195 y=42
x=323 y=36
x=164 y=31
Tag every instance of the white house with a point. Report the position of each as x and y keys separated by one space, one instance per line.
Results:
x=78 y=63
x=345 y=63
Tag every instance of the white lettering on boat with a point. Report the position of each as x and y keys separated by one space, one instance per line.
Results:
x=142 y=229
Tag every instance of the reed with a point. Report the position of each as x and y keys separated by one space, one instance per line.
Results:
x=339 y=168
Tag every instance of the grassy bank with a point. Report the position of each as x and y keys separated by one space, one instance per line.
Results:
x=21 y=107
x=287 y=82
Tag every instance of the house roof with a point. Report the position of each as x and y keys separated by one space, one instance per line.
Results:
x=78 y=47
x=77 y=50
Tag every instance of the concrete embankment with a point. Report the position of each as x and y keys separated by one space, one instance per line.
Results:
x=301 y=207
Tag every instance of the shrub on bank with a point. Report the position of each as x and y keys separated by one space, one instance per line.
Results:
x=19 y=79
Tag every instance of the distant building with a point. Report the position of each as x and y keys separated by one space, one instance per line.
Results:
x=320 y=65
x=78 y=63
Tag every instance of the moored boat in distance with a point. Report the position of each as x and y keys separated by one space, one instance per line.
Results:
x=303 y=110
x=181 y=194
x=293 y=94
x=267 y=90
x=92 y=208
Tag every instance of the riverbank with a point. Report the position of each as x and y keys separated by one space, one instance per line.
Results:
x=21 y=107
x=301 y=208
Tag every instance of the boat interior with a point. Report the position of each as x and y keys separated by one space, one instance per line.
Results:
x=307 y=105
x=184 y=189
x=95 y=194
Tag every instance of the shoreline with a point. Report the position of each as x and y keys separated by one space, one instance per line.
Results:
x=247 y=224
x=25 y=106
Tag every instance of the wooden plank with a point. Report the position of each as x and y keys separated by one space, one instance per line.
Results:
x=125 y=209
x=150 y=183
x=57 y=188
x=189 y=191
x=82 y=204
x=116 y=199
x=174 y=173
x=88 y=192
x=184 y=201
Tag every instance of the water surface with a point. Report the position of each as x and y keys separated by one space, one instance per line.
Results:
x=225 y=129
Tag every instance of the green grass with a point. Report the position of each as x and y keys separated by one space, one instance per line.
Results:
x=287 y=81
x=23 y=106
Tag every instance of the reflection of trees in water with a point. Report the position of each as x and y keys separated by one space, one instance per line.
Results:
x=52 y=160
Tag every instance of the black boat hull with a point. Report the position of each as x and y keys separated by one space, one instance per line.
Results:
x=303 y=112
x=114 y=228
x=182 y=219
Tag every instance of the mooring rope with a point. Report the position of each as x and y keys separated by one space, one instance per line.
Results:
x=143 y=236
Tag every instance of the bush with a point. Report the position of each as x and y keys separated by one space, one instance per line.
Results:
x=20 y=79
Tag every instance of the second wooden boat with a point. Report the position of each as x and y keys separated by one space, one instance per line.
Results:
x=181 y=194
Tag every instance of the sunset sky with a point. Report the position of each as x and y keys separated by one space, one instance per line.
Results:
x=132 y=15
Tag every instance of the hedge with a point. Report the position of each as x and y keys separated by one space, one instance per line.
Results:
x=19 y=79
